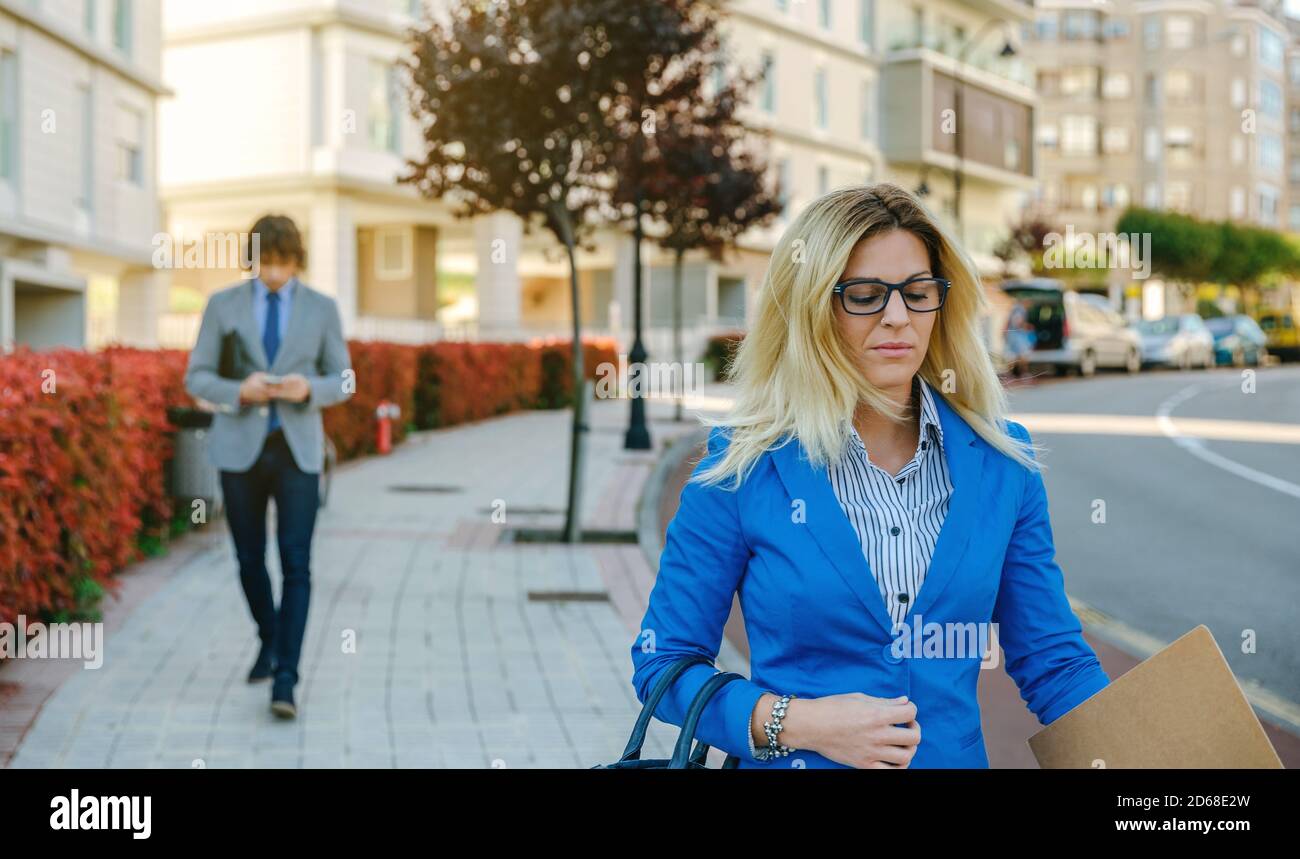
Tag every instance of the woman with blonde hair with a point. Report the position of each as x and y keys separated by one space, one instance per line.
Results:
x=884 y=524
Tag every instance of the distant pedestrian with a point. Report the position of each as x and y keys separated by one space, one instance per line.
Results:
x=271 y=355
x=1019 y=337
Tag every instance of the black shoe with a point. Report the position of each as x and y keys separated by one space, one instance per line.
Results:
x=282 y=701
x=263 y=668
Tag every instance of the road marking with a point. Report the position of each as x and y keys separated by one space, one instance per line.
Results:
x=1194 y=444
x=1156 y=426
x=1141 y=646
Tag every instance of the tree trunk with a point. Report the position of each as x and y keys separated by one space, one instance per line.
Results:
x=573 y=510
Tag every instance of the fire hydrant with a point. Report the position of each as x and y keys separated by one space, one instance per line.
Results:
x=386 y=413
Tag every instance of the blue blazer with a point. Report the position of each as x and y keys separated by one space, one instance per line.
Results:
x=817 y=624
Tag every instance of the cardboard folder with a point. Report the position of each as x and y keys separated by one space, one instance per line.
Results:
x=1181 y=708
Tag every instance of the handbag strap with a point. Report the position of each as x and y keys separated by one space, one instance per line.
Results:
x=634 y=743
x=687 y=736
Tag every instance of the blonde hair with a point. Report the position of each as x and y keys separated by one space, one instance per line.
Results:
x=797 y=379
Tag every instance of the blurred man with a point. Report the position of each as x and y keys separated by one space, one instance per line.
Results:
x=270 y=355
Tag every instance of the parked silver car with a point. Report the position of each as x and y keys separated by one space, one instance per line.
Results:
x=1180 y=341
x=1075 y=331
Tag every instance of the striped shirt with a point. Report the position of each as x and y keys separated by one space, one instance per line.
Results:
x=897 y=517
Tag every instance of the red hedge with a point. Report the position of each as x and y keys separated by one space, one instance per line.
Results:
x=83 y=469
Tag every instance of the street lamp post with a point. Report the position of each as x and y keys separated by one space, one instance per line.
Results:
x=638 y=433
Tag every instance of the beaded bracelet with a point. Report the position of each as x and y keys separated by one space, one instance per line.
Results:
x=774 y=728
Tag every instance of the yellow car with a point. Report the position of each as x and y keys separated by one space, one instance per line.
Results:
x=1282 y=333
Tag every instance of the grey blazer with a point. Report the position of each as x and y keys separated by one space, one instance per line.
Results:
x=313 y=346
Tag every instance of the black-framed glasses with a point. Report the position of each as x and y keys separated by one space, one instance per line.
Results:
x=863 y=296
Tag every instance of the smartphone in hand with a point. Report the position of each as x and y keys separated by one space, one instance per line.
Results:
x=272 y=380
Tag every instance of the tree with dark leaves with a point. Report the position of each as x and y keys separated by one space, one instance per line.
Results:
x=512 y=99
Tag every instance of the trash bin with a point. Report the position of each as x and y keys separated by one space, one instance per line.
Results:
x=192 y=475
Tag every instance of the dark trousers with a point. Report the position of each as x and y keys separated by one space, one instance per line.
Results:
x=296 y=493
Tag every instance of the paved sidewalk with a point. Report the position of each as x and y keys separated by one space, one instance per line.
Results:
x=430 y=641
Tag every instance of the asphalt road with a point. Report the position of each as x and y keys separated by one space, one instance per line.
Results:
x=1187 y=539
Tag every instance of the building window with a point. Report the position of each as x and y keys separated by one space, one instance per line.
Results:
x=1151 y=144
x=1116 y=85
x=867 y=22
x=1079 y=135
x=1237 y=202
x=130 y=146
x=1268 y=205
x=783 y=177
x=1181 y=143
x=1238 y=45
x=1293 y=218
x=1115 y=196
x=1079 y=83
x=1271 y=49
x=819 y=96
x=782 y=5
x=1088 y=198
x=769 y=82
x=1078 y=25
x=88 y=16
x=1178 y=196
x=1294 y=68
x=824 y=14
x=823 y=180
x=1115 y=28
x=1237 y=149
x=1294 y=175
x=1180 y=86
x=1115 y=140
x=1151 y=32
x=1238 y=92
x=1045 y=27
x=383 y=106
x=1270 y=152
x=1180 y=32
x=1270 y=99
x=1151 y=196
x=123 y=25
x=1048 y=136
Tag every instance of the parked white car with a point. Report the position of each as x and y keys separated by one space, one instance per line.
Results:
x=1180 y=341
x=1075 y=331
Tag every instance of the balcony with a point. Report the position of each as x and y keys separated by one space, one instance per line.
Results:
x=919 y=85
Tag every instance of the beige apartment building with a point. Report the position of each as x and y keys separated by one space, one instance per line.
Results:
x=1173 y=104
x=78 y=197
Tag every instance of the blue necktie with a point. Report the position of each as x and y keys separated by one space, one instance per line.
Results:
x=271 y=343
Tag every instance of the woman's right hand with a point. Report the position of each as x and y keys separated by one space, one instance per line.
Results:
x=855 y=729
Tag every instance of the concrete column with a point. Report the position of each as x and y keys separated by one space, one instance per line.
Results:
x=332 y=254
x=141 y=303
x=498 y=239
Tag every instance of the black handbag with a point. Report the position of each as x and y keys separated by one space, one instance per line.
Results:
x=683 y=757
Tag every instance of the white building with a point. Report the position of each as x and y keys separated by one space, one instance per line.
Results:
x=295 y=107
x=78 y=201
